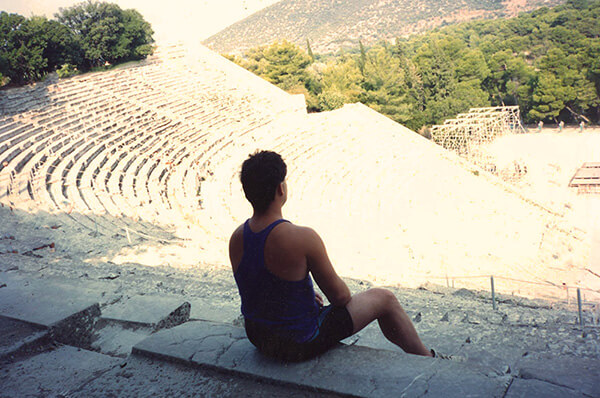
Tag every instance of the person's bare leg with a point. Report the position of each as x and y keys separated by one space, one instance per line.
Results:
x=395 y=324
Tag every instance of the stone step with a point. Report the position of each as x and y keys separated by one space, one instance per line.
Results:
x=350 y=370
x=69 y=313
x=155 y=312
x=54 y=373
x=147 y=377
x=130 y=320
x=573 y=374
x=540 y=389
x=18 y=339
x=8 y=244
x=117 y=339
x=210 y=309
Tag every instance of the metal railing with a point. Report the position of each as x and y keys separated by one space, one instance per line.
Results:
x=580 y=302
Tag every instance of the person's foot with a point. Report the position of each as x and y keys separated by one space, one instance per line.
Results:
x=446 y=356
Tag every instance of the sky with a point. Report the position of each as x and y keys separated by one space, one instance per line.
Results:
x=172 y=20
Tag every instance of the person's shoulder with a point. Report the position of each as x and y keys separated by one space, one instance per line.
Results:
x=296 y=233
x=295 y=228
x=238 y=233
x=236 y=246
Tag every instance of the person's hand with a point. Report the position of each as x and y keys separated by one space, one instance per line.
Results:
x=319 y=299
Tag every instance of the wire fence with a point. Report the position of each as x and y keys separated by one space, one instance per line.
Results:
x=450 y=282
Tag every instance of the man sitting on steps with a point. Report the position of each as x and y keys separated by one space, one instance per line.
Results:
x=273 y=260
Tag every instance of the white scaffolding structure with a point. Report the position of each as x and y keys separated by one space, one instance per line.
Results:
x=469 y=133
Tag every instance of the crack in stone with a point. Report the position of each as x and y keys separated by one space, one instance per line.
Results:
x=198 y=339
x=403 y=393
x=223 y=351
x=111 y=302
x=427 y=384
x=532 y=377
x=94 y=376
x=219 y=351
x=508 y=387
x=373 y=382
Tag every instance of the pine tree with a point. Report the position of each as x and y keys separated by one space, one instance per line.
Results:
x=309 y=51
x=362 y=61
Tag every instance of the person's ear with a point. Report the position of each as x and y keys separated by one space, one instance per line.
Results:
x=280 y=189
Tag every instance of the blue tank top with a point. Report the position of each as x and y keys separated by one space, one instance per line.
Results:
x=287 y=306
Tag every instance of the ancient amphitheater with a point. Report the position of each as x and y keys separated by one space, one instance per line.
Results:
x=120 y=189
x=153 y=152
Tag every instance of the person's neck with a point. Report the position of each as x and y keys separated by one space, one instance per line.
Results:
x=262 y=219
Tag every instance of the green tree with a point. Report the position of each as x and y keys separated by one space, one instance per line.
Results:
x=21 y=52
x=309 y=51
x=384 y=85
x=341 y=81
x=436 y=70
x=59 y=45
x=282 y=63
x=548 y=97
x=106 y=33
x=508 y=80
x=363 y=57
x=471 y=66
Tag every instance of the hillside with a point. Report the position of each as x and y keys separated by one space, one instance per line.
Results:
x=330 y=25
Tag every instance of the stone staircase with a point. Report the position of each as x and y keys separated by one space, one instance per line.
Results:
x=65 y=339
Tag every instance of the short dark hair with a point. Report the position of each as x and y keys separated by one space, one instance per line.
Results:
x=261 y=173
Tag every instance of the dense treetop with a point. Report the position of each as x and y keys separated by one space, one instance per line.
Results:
x=82 y=37
x=546 y=61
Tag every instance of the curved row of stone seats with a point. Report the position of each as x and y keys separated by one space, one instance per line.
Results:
x=158 y=172
x=19 y=144
x=117 y=183
x=183 y=183
x=106 y=183
x=135 y=181
x=72 y=153
x=149 y=96
x=114 y=153
x=60 y=170
x=41 y=163
x=154 y=94
x=20 y=167
x=213 y=126
x=46 y=133
x=8 y=123
x=8 y=156
x=170 y=159
x=73 y=183
x=15 y=136
x=18 y=103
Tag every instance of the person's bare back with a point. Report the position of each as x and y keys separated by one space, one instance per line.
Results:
x=291 y=252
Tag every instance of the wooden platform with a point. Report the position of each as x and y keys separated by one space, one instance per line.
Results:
x=587 y=178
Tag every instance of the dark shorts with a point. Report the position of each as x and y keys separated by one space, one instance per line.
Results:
x=335 y=324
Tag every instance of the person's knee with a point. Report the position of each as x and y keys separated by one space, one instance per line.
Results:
x=385 y=298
